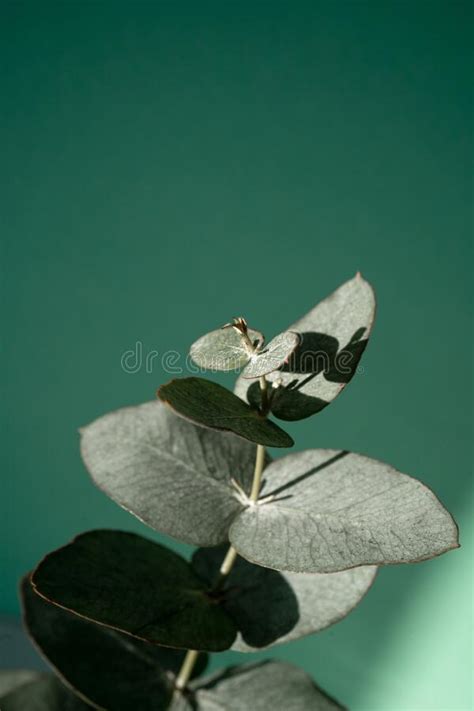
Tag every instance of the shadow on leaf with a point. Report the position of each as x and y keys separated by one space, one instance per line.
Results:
x=262 y=604
x=317 y=354
x=297 y=480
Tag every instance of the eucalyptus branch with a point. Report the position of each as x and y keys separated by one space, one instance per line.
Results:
x=167 y=465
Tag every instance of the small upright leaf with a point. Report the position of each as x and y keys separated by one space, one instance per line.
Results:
x=211 y=405
x=108 y=668
x=333 y=510
x=269 y=607
x=45 y=693
x=261 y=687
x=272 y=356
x=333 y=336
x=170 y=473
x=133 y=585
x=223 y=349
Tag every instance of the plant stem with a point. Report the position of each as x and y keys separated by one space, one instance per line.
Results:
x=264 y=395
x=228 y=562
x=186 y=669
x=226 y=567
x=231 y=556
x=257 y=475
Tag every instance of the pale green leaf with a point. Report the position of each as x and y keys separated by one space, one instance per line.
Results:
x=271 y=356
x=262 y=687
x=223 y=349
x=45 y=693
x=108 y=668
x=269 y=607
x=211 y=405
x=333 y=336
x=182 y=701
x=133 y=585
x=170 y=473
x=11 y=679
x=334 y=510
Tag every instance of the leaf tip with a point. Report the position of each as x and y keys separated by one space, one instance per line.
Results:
x=359 y=277
x=160 y=394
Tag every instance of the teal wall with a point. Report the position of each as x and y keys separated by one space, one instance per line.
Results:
x=170 y=165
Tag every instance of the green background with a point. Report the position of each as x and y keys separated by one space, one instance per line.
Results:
x=170 y=165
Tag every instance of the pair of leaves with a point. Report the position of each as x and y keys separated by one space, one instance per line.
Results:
x=332 y=339
x=102 y=669
x=328 y=510
x=127 y=583
x=257 y=686
x=226 y=349
x=307 y=367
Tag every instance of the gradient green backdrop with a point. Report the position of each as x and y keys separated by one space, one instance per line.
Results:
x=169 y=165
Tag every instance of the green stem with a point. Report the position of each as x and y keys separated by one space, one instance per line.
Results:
x=264 y=395
x=228 y=562
x=257 y=475
x=191 y=657
x=186 y=669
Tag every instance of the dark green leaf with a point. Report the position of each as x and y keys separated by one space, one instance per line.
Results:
x=334 y=510
x=211 y=405
x=46 y=693
x=170 y=473
x=269 y=607
x=262 y=687
x=333 y=336
x=108 y=668
x=133 y=585
x=223 y=349
x=272 y=356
